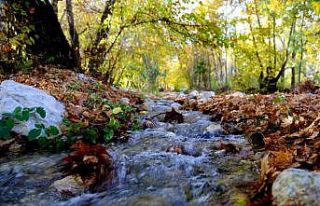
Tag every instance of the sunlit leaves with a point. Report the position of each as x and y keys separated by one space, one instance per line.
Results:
x=116 y=110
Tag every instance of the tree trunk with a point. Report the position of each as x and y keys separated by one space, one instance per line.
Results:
x=209 y=72
x=274 y=41
x=254 y=39
x=301 y=62
x=73 y=34
x=293 y=78
x=54 y=4
x=97 y=51
x=226 y=68
x=271 y=83
x=50 y=44
x=302 y=44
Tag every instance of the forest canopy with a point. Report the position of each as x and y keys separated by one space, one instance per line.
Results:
x=170 y=44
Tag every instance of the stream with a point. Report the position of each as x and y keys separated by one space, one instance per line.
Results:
x=169 y=164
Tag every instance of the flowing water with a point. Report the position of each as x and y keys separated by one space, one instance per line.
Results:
x=169 y=164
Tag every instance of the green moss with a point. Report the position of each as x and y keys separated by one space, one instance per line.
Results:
x=235 y=172
x=239 y=199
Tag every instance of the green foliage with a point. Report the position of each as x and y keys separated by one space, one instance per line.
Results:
x=72 y=129
x=50 y=137
x=91 y=135
x=13 y=44
x=200 y=74
x=141 y=38
x=23 y=114
x=94 y=99
x=108 y=134
x=41 y=112
x=120 y=113
x=119 y=121
x=41 y=131
x=280 y=99
x=112 y=126
x=6 y=125
x=152 y=74
x=135 y=124
x=149 y=45
x=245 y=80
x=20 y=116
x=120 y=116
x=74 y=86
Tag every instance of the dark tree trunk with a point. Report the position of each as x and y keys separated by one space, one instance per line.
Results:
x=269 y=83
x=300 y=63
x=293 y=78
x=73 y=34
x=50 y=44
x=54 y=4
x=261 y=81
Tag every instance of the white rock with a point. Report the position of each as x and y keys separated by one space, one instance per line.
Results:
x=176 y=106
x=161 y=108
x=114 y=88
x=191 y=117
x=148 y=105
x=84 y=78
x=194 y=93
x=297 y=187
x=214 y=129
x=203 y=101
x=72 y=185
x=207 y=94
x=13 y=94
x=181 y=95
x=237 y=94
x=125 y=101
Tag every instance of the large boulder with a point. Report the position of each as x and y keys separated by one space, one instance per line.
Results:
x=297 y=187
x=13 y=94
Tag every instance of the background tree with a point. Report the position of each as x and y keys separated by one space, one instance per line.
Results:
x=199 y=44
x=48 y=43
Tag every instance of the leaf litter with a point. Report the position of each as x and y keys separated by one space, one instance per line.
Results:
x=286 y=126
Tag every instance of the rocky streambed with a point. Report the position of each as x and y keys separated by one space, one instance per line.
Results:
x=166 y=164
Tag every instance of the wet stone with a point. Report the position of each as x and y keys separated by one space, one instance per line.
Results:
x=215 y=129
x=70 y=185
x=297 y=187
x=26 y=180
x=192 y=116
